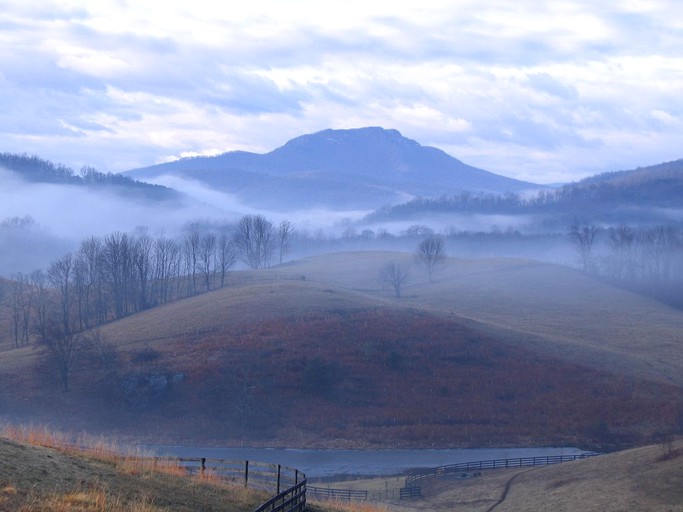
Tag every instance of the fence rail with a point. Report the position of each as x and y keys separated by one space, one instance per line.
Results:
x=289 y=500
x=412 y=489
x=288 y=484
x=259 y=475
x=493 y=464
x=327 y=493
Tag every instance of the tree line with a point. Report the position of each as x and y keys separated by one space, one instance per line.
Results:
x=113 y=276
x=647 y=258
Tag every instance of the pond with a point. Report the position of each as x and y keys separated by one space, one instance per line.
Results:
x=328 y=463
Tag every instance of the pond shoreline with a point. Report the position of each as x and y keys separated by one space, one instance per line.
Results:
x=335 y=463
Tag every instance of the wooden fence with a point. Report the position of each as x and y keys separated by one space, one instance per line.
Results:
x=412 y=489
x=258 y=475
x=289 y=500
x=329 y=493
x=421 y=474
x=288 y=484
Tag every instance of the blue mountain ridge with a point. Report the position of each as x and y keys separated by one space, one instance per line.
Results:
x=354 y=168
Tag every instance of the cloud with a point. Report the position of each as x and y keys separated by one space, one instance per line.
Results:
x=546 y=83
x=125 y=84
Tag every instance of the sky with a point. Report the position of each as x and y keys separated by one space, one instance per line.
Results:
x=541 y=91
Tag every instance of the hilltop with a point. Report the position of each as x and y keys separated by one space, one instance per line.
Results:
x=318 y=353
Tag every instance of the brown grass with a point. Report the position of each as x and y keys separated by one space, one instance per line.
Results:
x=494 y=351
x=552 y=308
x=347 y=506
x=43 y=471
x=635 y=479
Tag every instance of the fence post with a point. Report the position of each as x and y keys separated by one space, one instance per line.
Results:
x=203 y=465
x=246 y=473
x=296 y=476
x=278 y=479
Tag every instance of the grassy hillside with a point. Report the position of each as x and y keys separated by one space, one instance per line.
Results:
x=318 y=352
x=38 y=478
x=646 y=479
x=555 y=309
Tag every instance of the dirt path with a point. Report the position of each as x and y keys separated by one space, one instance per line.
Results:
x=508 y=486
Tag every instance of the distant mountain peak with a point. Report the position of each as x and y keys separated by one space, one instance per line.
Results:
x=363 y=167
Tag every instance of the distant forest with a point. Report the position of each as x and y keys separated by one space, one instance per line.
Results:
x=35 y=169
x=638 y=196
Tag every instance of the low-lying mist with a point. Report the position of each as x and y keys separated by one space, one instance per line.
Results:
x=63 y=215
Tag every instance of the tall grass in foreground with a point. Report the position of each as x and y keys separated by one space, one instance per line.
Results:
x=98 y=494
x=351 y=506
x=127 y=459
x=94 y=500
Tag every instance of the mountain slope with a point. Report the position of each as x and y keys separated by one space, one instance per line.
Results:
x=647 y=195
x=655 y=186
x=364 y=167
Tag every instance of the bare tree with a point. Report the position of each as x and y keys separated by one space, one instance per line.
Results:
x=22 y=304
x=395 y=275
x=107 y=354
x=41 y=303
x=255 y=240
x=89 y=283
x=660 y=243
x=431 y=252
x=622 y=242
x=165 y=256
x=583 y=236
x=191 y=249
x=284 y=237
x=226 y=256
x=63 y=349
x=141 y=256
x=207 y=253
x=60 y=274
x=117 y=261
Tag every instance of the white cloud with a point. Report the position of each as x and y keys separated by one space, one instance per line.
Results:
x=542 y=91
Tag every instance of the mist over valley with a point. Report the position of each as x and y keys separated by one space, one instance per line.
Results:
x=187 y=301
x=348 y=228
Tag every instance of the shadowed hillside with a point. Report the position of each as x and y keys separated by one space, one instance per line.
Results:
x=318 y=352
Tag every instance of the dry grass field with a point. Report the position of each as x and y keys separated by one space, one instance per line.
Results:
x=646 y=479
x=58 y=478
x=319 y=352
x=43 y=471
x=555 y=309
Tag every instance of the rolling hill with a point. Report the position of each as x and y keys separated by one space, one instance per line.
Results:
x=359 y=168
x=317 y=352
